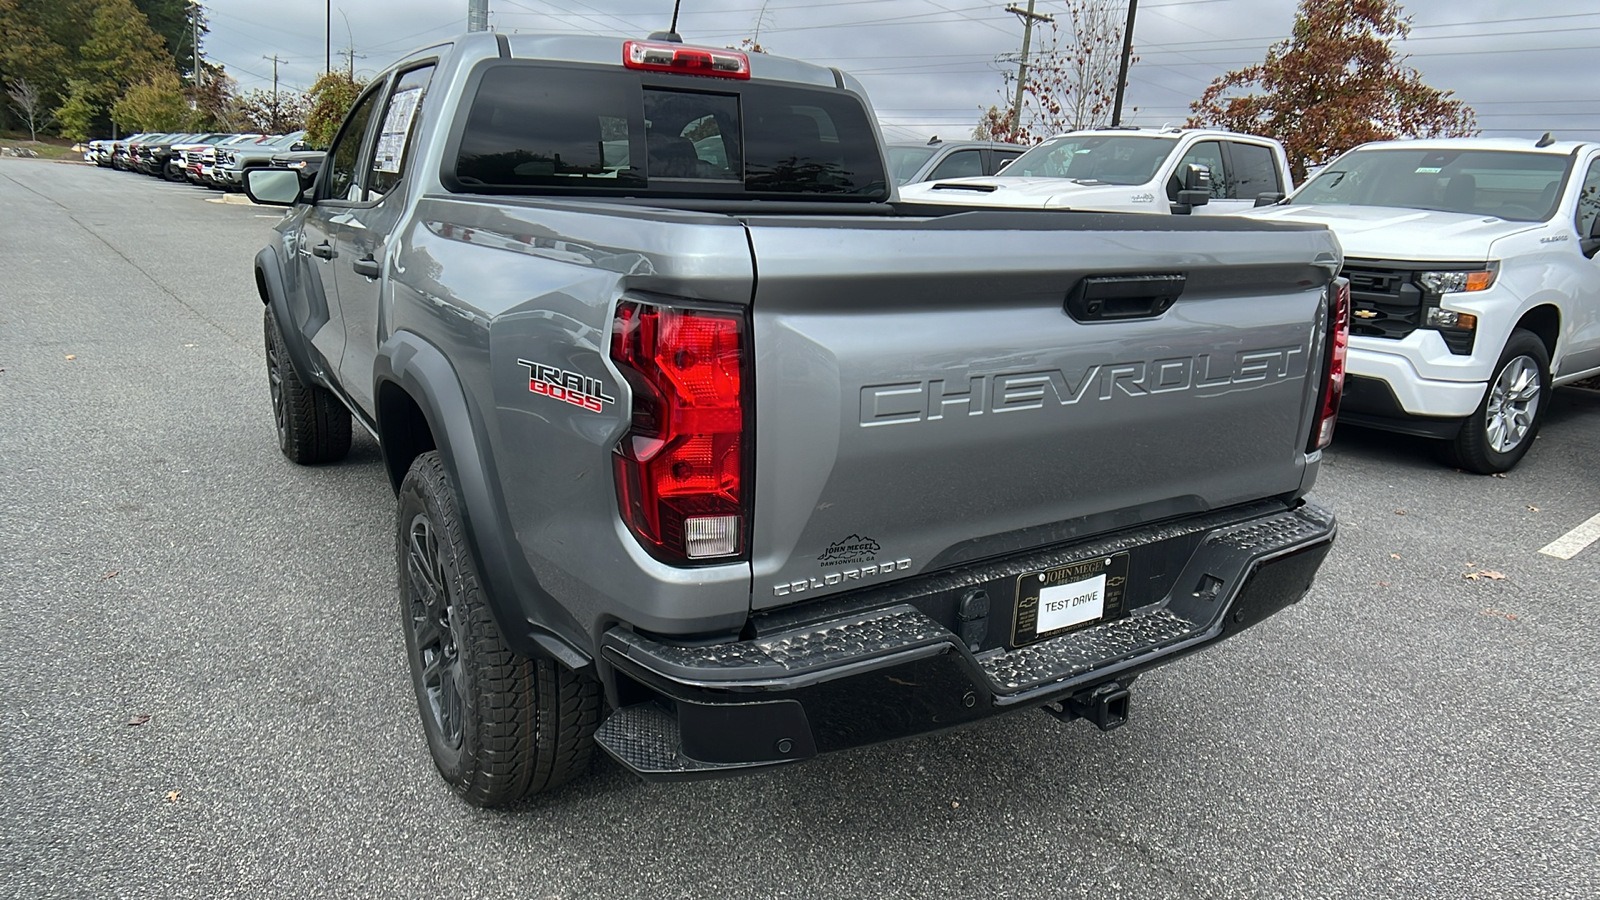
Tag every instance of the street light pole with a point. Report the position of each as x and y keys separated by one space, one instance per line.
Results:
x=327 y=60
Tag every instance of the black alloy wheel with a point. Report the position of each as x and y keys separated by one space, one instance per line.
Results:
x=433 y=631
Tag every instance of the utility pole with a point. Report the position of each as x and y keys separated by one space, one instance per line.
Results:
x=327 y=61
x=477 y=15
x=274 y=59
x=1028 y=17
x=1122 y=70
x=351 y=53
x=194 y=43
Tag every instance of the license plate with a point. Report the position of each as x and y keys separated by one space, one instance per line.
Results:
x=1059 y=600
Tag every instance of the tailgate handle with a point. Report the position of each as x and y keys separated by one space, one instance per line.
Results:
x=1109 y=298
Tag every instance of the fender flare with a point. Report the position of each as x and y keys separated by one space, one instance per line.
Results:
x=534 y=623
x=269 y=283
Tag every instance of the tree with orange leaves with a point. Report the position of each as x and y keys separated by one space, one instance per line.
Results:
x=1335 y=83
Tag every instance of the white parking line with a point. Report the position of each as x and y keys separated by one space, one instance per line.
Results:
x=1572 y=543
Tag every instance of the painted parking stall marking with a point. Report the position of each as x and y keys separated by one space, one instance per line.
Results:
x=1573 y=542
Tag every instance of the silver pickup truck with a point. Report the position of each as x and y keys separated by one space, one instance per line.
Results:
x=710 y=453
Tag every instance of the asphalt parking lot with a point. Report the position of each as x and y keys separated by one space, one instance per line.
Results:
x=1424 y=724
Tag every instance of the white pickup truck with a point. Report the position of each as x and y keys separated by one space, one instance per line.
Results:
x=1128 y=170
x=1475 y=284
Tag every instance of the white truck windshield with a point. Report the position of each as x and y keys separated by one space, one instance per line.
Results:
x=1522 y=187
x=1116 y=159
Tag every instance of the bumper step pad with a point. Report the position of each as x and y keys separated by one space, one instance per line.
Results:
x=1071 y=654
x=645 y=739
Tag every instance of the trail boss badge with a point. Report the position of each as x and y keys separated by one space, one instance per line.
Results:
x=569 y=387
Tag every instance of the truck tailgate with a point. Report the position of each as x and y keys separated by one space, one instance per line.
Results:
x=925 y=399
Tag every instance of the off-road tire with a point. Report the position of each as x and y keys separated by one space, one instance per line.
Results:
x=514 y=726
x=313 y=426
x=1473 y=448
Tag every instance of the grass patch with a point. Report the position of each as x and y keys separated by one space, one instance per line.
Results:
x=49 y=148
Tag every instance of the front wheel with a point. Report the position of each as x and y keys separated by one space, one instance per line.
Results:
x=499 y=726
x=1499 y=433
x=313 y=427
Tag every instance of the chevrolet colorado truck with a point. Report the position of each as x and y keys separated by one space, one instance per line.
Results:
x=711 y=454
x=1475 y=284
x=1128 y=169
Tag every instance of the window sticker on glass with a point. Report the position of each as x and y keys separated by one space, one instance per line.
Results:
x=396 y=125
x=1428 y=170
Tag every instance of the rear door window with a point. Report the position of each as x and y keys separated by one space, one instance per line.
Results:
x=1251 y=171
x=395 y=135
x=542 y=129
x=960 y=164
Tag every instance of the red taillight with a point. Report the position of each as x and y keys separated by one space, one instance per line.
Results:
x=663 y=57
x=1338 y=349
x=681 y=469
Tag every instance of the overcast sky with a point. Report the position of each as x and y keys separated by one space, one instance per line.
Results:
x=930 y=65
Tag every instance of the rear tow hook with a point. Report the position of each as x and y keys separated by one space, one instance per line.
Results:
x=1105 y=705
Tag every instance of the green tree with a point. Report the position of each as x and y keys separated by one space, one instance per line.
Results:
x=1336 y=82
x=170 y=20
x=78 y=116
x=120 y=51
x=155 y=104
x=32 y=45
x=331 y=98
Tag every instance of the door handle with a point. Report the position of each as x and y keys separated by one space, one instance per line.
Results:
x=323 y=250
x=367 y=266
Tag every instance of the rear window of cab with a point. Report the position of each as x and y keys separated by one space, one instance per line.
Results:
x=541 y=129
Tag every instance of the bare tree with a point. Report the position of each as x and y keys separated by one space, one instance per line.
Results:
x=31 y=104
x=1072 y=75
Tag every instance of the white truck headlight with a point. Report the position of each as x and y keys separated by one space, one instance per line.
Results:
x=1458 y=282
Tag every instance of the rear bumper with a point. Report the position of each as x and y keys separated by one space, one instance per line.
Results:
x=908 y=666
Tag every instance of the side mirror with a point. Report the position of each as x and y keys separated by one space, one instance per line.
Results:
x=1196 y=189
x=1269 y=198
x=272 y=187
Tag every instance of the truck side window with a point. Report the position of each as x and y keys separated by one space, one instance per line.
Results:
x=960 y=164
x=1001 y=157
x=396 y=133
x=1589 y=199
x=1252 y=172
x=344 y=155
x=1205 y=153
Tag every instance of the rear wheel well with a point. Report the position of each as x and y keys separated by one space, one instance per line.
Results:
x=403 y=431
x=1544 y=321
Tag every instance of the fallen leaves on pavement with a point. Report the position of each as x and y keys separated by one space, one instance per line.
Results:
x=139 y=719
x=1488 y=574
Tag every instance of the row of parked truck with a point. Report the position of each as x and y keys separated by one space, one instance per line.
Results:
x=210 y=159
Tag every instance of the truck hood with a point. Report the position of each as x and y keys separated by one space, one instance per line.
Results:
x=1033 y=193
x=1381 y=232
